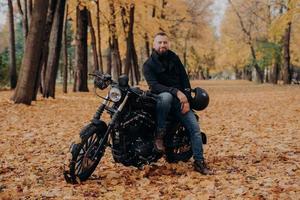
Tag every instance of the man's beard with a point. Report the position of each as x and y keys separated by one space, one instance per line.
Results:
x=162 y=51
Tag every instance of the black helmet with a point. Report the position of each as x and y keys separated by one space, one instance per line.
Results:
x=200 y=100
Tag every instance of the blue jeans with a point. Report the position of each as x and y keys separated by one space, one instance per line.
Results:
x=166 y=103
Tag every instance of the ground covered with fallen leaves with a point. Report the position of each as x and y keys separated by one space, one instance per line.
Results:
x=253 y=147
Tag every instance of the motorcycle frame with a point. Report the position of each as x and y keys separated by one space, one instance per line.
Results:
x=111 y=124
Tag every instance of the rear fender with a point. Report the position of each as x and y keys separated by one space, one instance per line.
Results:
x=197 y=117
x=204 y=138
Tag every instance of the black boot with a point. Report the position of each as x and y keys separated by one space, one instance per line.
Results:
x=200 y=166
x=158 y=141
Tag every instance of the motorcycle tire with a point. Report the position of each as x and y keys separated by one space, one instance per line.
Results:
x=180 y=149
x=81 y=165
x=175 y=155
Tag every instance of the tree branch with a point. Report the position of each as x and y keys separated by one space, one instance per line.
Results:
x=20 y=7
x=240 y=20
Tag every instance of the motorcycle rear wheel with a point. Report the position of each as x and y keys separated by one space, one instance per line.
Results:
x=82 y=166
x=178 y=154
x=180 y=148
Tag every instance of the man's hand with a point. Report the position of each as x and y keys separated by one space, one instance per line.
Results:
x=182 y=98
x=185 y=106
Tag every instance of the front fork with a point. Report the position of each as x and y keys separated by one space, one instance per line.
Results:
x=111 y=123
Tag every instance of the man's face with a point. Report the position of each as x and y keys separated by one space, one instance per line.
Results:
x=161 y=44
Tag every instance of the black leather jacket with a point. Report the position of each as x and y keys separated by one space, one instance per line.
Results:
x=165 y=73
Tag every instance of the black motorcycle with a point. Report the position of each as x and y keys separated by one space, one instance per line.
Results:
x=129 y=134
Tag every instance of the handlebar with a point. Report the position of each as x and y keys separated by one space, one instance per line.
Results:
x=102 y=81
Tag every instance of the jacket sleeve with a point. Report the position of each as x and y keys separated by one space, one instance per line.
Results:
x=153 y=83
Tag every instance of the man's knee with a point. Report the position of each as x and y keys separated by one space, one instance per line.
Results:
x=165 y=98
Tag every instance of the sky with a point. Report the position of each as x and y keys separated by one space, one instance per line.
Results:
x=218 y=8
x=3 y=15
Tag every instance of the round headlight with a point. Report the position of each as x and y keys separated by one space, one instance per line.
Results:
x=115 y=94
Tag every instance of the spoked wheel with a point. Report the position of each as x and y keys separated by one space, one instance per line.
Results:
x=179 y=148
x=84 y=161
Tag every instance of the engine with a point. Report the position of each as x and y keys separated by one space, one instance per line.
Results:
x=132 y=139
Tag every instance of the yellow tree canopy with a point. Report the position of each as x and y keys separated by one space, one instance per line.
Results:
x=291 y=13
x=187 y=22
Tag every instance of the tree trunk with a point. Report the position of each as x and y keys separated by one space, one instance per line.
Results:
x=30 y=4
x=207 y=73
x=99 y=36
x=131 y=77
x=247 y=73
x=287 y=74
x=40 y=82
x=70 y=69
x=23 y=13
x=202 y=77
x=116 y=58
x=153 y=11
x=163 y=5
x=65 y=42
x=147 y=45
x=274 y=72
x=237 y=73
x=12 y=47
x=259 y=72
x=26 y=17
x=109 y=61
x=131 y=63
x=93 y=42
x=75 y=81
x=126 y=31
x=54 y=50
x=128 y=56
x=136 y=65
x=81 y=50
x=185 y=51
x=266 y=75
x=34 y=44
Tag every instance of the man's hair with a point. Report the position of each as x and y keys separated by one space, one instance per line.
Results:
x=161 y=34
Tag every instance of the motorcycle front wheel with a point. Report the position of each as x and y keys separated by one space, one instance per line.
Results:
x=82 y=164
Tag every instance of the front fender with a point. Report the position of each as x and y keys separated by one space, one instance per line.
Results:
x=97 y=126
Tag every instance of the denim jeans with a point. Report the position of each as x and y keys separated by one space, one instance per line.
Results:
x=166 y=103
